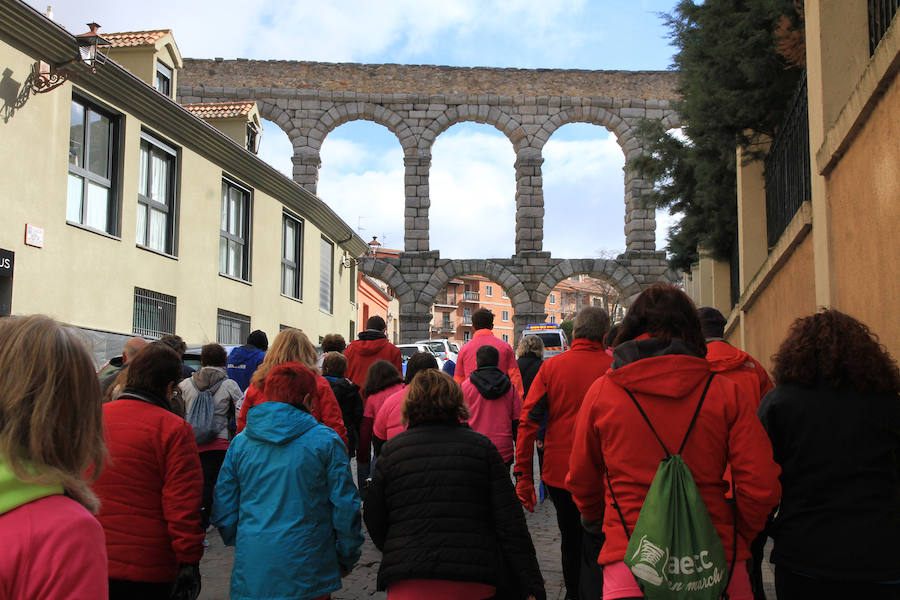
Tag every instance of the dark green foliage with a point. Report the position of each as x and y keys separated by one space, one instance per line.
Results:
x=567 y=326
x=733 y=81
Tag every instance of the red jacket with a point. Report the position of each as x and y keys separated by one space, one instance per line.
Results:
x=557 y=391
x=362 y=353
x=150 y=492
x=741 y=368
x=465 y=360
x=611 y=436
x=325 y=409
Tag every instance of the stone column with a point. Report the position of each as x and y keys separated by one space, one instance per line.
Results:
x=414 y=325
x=306 y=167
x=640 y=222
x=520 y=320
x=529 y=201
x=418 y=201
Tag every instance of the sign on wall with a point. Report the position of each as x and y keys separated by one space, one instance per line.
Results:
x=34 y=235
x=7 y=259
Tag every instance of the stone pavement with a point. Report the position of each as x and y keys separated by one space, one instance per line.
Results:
x=360 y=583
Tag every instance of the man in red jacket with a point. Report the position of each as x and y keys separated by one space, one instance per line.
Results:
x=151 y=487
x=753 y=382
x=371 y=346
x=556 y=395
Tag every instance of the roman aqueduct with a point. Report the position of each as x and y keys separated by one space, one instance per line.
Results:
x=417 y=103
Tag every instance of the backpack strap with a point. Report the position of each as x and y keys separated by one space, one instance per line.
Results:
x=690 y=427
x=617 y=507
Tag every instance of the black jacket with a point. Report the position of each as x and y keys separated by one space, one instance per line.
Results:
x=347 y=394
x=839 y=452
x=491 y=382
x=529 y=364
x=442 y=506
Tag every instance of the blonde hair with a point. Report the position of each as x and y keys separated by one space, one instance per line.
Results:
x=290 y=345
x=51 y=424
x=433 y=397
x=530 y=343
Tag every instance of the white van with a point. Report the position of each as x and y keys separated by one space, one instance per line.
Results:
x=554 y=338
x=442 y=348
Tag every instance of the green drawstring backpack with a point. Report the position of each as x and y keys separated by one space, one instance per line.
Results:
x=674 y=550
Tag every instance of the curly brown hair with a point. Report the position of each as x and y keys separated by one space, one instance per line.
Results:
x=434 y=397
x=836 y=350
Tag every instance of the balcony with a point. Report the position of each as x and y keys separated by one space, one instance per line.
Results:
x=467 y=320
x=471 y=296
x=446 y=301
x=444 y=328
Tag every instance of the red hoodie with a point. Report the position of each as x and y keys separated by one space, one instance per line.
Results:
x=365 y=351
x=611 y=436
x=325 y=408
x=741 y=368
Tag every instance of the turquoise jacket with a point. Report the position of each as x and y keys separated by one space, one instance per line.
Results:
x=285 y=499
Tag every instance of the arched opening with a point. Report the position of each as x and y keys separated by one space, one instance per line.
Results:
x=275 y=147
x=582 y=290
x=472 y=187
x=361 y=179
x=584 y=212
x=463 y=295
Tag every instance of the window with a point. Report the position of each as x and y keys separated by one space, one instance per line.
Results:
x=291 y=257
x=505 y=338
x=467 y=336
x=552 y=319
x=326 y=276
x=505 y=315
x=488 y=290
x=232 y=329
x=282 y=327
x=91 y=197
x=552 y=298
x=163 y=79
x=156 y=196
x=234 y=242
x=252 y=138
x=154 y=313
x=503 y=294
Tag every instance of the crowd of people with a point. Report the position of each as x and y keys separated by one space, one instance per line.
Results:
x=110 y=481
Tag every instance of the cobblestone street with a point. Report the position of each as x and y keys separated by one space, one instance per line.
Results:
x=218 y=559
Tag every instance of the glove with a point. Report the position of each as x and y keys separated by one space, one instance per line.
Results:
x=187 y=582
x=525 y=490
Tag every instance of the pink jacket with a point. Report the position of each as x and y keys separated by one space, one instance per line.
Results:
x=389 y=419
x=465 y=360
x=493 y=418
x=52 y=548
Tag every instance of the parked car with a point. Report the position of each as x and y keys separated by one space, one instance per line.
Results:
x=554 y=338
x=192 y=355
x=407 y=350
x=444 y=349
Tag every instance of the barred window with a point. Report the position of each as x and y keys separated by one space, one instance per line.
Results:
x=232 y=329
x=154 y=313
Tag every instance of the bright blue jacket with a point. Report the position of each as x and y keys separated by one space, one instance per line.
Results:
x=285 y=499
x=242 y=363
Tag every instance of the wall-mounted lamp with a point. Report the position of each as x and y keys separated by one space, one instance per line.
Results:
x=47 y=77
x=372 y=249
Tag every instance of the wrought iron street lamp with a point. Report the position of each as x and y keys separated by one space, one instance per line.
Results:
x=46 y=77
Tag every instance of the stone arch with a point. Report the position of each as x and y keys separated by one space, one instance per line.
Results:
x=594 y=115
x=494 y=271
x=388 y=273
x=339 y=114
x=617 y=273
x=482 y=113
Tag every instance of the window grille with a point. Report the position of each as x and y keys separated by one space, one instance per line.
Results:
x=232 y=329
x=881 y=15
x=154 y=313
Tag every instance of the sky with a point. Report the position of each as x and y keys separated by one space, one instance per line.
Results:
x=472 y=179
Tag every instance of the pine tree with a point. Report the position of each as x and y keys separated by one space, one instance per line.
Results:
x=735 y=87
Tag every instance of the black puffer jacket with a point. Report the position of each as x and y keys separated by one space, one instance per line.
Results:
x=442 y=506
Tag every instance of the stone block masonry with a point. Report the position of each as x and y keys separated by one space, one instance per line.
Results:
x=417 y=103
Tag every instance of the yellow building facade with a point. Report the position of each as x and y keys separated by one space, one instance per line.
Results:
x=126 y=214
x=839 y=248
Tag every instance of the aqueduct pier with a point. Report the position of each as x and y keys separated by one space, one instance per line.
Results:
x=417 y=103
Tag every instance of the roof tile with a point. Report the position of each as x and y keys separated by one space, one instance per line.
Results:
x=130 y=39
x=220 y=110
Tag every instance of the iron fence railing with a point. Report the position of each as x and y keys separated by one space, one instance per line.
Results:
x=154 y=313
x=470 y=296
x=881 y=14
x=232 y=328
x=787 y=167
